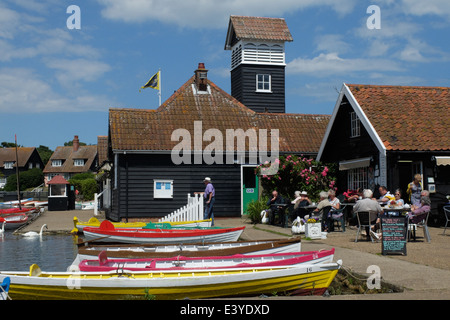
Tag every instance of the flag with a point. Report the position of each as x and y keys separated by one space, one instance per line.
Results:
x=153 y=82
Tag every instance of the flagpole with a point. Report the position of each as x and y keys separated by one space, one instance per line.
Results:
x=159 y=86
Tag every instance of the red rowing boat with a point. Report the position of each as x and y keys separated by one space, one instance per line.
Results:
x=108 y=233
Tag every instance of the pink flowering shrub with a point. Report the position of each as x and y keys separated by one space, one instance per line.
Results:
x=297 y=173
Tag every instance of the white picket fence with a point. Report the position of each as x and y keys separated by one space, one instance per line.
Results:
x=192 y=211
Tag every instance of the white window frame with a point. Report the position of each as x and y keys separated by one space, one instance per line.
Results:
x=78 y=162
x=9 y=164
x=358 y=178
x=264 y=81
x=162 y=189
x=355 y=125
x=57 y=163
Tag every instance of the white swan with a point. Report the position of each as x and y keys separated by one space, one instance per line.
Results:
x=34 y=233
x=3 y=222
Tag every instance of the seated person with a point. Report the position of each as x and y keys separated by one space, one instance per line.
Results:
x=398 y=202
x=318 y=213
x=386 y=196
x=357 y=196
x=274 y=209
x=299 y=204
x=335 y=203
x=371 y=205
x=418 y=213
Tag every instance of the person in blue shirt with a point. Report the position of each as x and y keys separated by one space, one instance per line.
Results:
x=209 y=196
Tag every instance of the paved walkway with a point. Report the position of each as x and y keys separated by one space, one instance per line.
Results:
x=419 y=281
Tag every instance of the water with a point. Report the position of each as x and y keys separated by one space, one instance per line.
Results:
x=49 y=252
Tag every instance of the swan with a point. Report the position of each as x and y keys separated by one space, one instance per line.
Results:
x=3 y=222
x=34 y=233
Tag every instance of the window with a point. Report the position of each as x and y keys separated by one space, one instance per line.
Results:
x=56 y=163
x=355 y=125
x=58 y=190
x=357 y=178
x=162 y=189
x=78 y=162
x=263 y=83
x=9 y=164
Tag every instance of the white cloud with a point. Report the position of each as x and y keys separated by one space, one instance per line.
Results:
x=331 y=64
x=23 y=91
x=209 y=13
x=70 y=71
x=429 y=7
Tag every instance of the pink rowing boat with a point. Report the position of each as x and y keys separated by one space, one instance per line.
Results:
x=274 y=260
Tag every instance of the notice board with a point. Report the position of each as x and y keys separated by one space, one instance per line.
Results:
x=394 y=234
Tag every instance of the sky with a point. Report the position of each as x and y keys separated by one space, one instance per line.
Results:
x=57 y=81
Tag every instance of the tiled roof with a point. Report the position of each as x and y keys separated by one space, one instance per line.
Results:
x=258 y=28
x=9 y=154
x=406 y=117
x=68 y=155
x=102 y=148
x=139 y=129
x=58 y=180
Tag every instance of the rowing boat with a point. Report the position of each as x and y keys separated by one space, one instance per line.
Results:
x=14 y=221
x=94 y=222
x=140 y=251
x=4 y=288
x=301 y=280
x=108 y=233
x=182 y=263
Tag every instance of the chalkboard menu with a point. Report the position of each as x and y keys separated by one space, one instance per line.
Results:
x=394 y=233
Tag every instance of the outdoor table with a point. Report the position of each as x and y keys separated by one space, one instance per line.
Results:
x=281 y=213
x=395 y=211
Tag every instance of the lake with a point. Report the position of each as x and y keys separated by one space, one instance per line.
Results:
x=49 y=252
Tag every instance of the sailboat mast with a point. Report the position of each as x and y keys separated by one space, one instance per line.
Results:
x=17 y=174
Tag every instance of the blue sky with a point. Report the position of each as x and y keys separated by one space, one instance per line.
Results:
x=57 y=82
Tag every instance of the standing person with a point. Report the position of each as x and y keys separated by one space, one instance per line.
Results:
x=414 y=189
x=209 y=197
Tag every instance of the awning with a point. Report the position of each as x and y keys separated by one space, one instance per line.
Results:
x=442 y=161
x=354 y=163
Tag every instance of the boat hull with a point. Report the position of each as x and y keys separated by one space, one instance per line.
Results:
x=91 y=251
x=108 y=233
x=94 y=222
x=180 y=263
x=307 y=279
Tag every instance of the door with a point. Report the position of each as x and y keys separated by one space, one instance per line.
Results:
x=249 y=187
x=406 y=172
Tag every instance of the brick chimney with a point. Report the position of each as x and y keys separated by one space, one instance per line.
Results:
x=201 y=77
x=76 y=143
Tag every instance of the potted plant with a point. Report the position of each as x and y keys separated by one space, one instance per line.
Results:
x=313 y=229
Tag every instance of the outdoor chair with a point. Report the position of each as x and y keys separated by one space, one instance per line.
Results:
x=338 y=216
x=325 y=217
x=423 y=224
x=447 y=216
x=364 y=220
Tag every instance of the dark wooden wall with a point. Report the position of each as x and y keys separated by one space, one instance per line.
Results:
x=243 y=87
x=144 y=168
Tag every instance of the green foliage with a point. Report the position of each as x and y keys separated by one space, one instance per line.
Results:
x=298 y=173
x=45 y=153
x=27 y=179
x=255 y=207
x=86 y=184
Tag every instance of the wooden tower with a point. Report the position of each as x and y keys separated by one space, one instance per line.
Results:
x=258 y=61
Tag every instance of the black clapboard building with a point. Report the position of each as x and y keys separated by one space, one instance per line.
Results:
x=159 y=156
x=258 y=61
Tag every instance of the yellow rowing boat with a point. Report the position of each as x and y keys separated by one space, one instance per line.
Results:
x=94 y=222
x=193 y=284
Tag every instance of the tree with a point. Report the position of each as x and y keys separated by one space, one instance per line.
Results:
x=45 y=153
x=28 y=179
x=86 y=184
x=297 y=173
